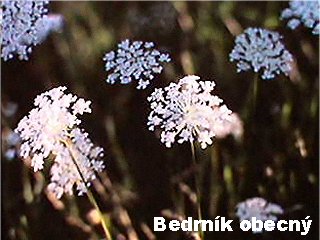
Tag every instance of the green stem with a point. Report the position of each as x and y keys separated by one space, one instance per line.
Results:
x=89 y=194
x=197 y=188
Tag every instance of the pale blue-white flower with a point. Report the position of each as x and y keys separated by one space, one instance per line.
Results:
x=24 y=24
x=259 y=208
x=136 y=60
x=261 y=50
x=305 y=13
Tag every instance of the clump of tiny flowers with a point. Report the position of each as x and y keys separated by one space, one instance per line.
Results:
x=51 y=130
x=303 y=12
x=187 y=111
x=258 y=208
x=261 y=49
x=24 y=23
x=137 y=60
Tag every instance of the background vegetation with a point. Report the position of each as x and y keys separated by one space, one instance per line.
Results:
x=277 y=157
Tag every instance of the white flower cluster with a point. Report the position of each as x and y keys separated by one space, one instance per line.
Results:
x=134 y=61
x=303 y=12
x=24 y=24
x=51 y=130
x=261 y=49
x=188 y=111
x=258 y=208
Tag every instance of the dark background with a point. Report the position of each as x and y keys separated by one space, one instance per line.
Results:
x=277 y=157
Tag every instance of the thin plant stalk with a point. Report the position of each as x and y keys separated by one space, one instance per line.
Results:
x=251 y=98
x=89 y=193
x=255 y=92
x=197 y=182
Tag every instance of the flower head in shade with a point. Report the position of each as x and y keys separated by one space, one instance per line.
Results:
x=303 y=12
x=137 y=60
x=25 y=23
x=258 y=208
x=187 y=111
x=261 y=50
x=51 y=130
x=19 y=31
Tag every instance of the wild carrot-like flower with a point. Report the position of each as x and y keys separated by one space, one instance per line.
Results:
x=138 y=61
x=303 y=12
x=261 y=49
x=258 y=208
x=51 y=130
x=24 y=24
x=187 y=111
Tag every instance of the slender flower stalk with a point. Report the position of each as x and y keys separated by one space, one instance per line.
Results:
x=91 y=198
x=198 y=185
x=255 y=92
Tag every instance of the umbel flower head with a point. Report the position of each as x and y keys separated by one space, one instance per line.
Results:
x=24 y=24
x=261 y=49
x=258 y=208
x=187 y=111
x=138 y=61
x=51 y=130
x=303 y=12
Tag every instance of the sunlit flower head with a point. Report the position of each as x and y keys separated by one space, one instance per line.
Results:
x=187 y=111
x=261 y=50
x=137 y=60
x=51 y=130
x=303 y=12
x=258 y=208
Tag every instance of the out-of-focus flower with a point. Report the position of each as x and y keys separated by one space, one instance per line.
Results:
x=51 y=130
x=258 y=208
x=24 y=24
x=49 y=24
x=10 y=143
x=134 y=61
x=153 y=21
x=303 y=12
x=233 y=125
x=261 y=49
x=9 y=109
x=187 y=111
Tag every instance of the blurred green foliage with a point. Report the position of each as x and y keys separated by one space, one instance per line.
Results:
x=277 y=158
